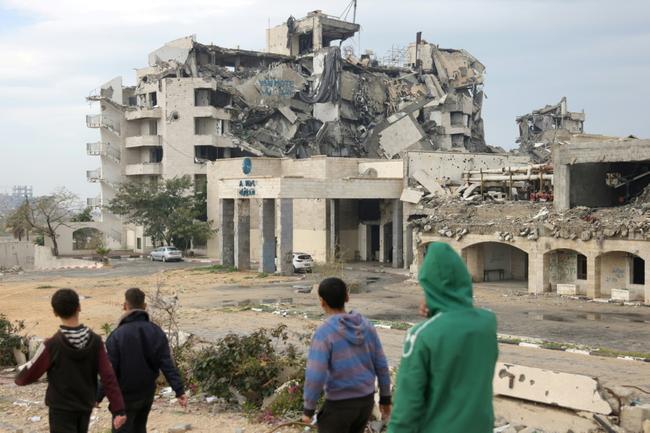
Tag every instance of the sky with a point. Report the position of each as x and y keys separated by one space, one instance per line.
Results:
x=53 y=53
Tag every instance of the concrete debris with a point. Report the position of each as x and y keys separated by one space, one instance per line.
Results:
x=633 y=417
x=314 y=100
x=570 y=391
x=531 y=220
x=180 y=428
x=543 y=127
x=411 y=195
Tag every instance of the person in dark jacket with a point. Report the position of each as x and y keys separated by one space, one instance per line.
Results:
x=139 y=351
x=72 y=359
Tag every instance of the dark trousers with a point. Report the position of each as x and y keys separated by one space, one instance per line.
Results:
x=65 y=421
x=137 y=414
x=345 y=416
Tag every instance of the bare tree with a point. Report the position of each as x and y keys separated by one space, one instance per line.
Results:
x=48 y=213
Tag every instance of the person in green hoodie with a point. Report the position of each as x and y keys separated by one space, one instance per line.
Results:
x=444 y=383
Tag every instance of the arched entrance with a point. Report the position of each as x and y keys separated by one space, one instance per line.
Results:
x=87 y=238
x=620 y=270
x=491 y=262
x=566 y=267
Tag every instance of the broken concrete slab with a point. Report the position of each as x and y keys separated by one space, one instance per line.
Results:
x=399 y=136
x=288 y=113
x=411 y=195
x=427 y=181
x=633 y=417
x=572 y=391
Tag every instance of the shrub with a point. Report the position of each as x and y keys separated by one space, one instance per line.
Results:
x=9 y=339
x=245 y=369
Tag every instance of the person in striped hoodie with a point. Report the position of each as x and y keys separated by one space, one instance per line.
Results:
x=345 y=358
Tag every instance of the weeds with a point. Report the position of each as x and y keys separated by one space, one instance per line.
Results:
x=214 y=269
x=46 y=286
x=10 y=339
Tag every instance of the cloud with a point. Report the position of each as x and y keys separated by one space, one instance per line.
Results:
x=595 y=52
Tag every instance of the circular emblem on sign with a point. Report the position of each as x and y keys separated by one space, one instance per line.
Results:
x=247 y=165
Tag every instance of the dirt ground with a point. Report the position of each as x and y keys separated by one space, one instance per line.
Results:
x=214 y=304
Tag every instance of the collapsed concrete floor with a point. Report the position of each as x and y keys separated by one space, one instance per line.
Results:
x=216 y=304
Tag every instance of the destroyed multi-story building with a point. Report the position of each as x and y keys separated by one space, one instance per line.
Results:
x=541 y=128
x=196 y=103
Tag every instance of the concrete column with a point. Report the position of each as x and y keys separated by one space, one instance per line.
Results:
x=332 y=239
x=408 y=246
x=538 y=264
x=562 y=186
x=473 y=257
x=590 y=284
x=285 y=260
x=593 y=276
x=267 y=231
x=382 y=240
x=317 y=35
x=243 y=234
x=647 y=280
x=227 y=232
x=398 y=234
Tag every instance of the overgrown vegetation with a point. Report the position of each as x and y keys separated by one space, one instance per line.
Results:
x=10 y=339
x=214 y=269
x=246 y=369
x=172 y=212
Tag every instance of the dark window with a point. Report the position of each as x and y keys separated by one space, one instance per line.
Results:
x=156 y=154
x=153 y=99
x=638 y=270
x=582 y=267
x=153 y=127
x=133 y=101
x=139 y=243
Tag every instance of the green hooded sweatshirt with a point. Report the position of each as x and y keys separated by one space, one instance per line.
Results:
x=444 y=383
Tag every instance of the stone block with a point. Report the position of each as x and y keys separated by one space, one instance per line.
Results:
x=567 y=289
x=646 y=426
x=621 y=295
x=571 y=391
x=634 y=417
x=411 y=195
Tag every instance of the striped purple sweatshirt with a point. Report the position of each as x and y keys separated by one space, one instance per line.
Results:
x=345 y=357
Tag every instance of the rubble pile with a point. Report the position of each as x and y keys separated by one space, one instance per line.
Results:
x=325 y=103
x=453 y=217
x=541 y=128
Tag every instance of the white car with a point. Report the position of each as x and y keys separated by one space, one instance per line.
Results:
x=302 y=262
x=166 y=254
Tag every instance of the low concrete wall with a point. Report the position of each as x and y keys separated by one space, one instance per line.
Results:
x=44 y=260
x=17 y=253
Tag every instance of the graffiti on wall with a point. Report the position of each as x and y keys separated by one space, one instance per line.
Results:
x=275 y=87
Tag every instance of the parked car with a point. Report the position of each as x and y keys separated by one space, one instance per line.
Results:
x=166 y=254
x=302 y=262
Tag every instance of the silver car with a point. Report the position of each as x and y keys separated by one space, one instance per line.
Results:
x=166 y=254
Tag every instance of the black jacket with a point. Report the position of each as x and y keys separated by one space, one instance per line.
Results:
x=139 y=350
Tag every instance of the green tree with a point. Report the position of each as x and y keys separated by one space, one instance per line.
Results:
x=18 y=222
x=169 y=211
x=84 y=216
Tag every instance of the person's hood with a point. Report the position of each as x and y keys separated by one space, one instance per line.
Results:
x=76 y=352
x=134 y=316
x=444 y=277
x=352 y=326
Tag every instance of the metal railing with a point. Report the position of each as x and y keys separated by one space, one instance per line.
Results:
x=94 y=175
x=100 y=148
x=99 y=121
x=94 y=202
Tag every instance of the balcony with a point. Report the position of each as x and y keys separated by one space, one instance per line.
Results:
x=213 y=140
x=144 y=169
x=94 y=175
x=101 y=148
x=210 y=111
x=94 y=202
x=99 y=121
x=143 y=113
x=143 y=141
